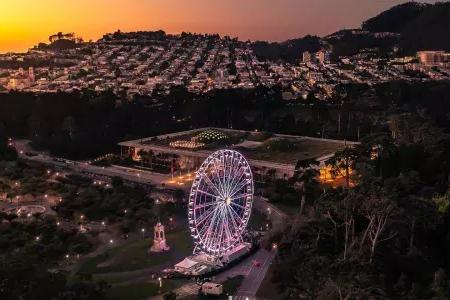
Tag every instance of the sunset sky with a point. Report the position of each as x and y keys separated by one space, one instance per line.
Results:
x=24 y=23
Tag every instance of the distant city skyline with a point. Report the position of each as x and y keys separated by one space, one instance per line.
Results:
x=24 y=23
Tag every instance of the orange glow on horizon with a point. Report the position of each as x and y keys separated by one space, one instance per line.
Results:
x=24 y=23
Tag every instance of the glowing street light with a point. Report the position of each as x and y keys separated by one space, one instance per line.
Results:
x=111 y=241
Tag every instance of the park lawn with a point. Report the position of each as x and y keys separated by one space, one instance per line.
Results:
x=305 y=149
x=138 y=290
x=134 y=255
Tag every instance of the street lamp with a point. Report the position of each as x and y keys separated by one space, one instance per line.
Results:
x=160 y=282
x=143 y=232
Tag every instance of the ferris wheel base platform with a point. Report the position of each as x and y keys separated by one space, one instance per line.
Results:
x=203 y=264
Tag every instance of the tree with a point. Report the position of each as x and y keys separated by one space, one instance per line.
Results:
x=378 y=210
x=69 y=125
x=380 y=147
x=117 y=182
x=343 y=162
x=170 y=296
x=305 y=175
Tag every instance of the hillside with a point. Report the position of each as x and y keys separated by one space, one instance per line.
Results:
x=289 y=50
x=421 y=26
x=429 y=31
x=413 y=27
x=396 y=18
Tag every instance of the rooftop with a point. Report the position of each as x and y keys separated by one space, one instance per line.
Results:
x=263 y=148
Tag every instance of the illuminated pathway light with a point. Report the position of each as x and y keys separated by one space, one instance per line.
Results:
x=220 y=202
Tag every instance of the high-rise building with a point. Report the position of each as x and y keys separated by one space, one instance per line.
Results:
x=306 y=57
x=31 y=74
x=320 y=56
x=433 y=57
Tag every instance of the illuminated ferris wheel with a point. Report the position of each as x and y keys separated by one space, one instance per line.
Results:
x=220 y=202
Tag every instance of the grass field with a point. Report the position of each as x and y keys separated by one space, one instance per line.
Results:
x=139 y=290
x=304 y=149
x=134 y=255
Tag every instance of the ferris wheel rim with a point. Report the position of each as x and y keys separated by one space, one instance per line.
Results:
x=220 y=202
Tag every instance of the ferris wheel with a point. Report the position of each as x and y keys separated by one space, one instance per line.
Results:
x=220 y=202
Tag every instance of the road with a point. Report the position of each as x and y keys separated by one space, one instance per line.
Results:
x=129 y=174
x=254 y=275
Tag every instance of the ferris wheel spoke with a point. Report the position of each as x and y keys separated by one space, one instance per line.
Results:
x=210 y=232
x=206 y=215
x=236 y=180
x=203 y=205
x=233 y=220
x=203 y=232
x=236 y=214
x=209 y=182
x=221 y=230
x=240 y=196
x=238 y=187
x=206 y=193
x=217 y=174
x=238 y=205
x=234 y=173
x=224 y=162
x=229 y=234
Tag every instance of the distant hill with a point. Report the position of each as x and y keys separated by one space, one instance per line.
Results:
x=351 y=42
x=421 y=26
x=410 y=27
x=429 y=31
x=289 y=50
x=58 y=45
x=396 y=18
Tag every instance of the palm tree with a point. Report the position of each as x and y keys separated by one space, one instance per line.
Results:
x=305 y=175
